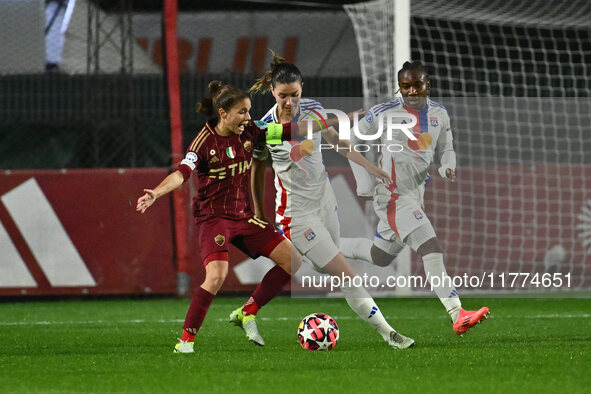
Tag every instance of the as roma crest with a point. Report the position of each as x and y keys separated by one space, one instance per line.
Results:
x=248 y=146
x=219 y=239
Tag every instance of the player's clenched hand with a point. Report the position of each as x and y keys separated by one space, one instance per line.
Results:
x=380 y=174
x=145 y=201
x=450 y=174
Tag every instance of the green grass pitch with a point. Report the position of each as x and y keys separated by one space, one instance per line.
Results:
x=125 y=345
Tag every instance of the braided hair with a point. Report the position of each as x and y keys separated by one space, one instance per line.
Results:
x=412 y=66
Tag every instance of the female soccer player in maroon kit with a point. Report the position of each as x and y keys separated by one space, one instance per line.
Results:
x=222 y=156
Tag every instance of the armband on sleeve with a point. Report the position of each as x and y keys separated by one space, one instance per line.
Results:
x=274 y=133
x=187 y=165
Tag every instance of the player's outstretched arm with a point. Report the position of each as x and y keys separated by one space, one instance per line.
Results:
x=302 y=126
x=276 y=134
x=344 y=148
x=169 y=183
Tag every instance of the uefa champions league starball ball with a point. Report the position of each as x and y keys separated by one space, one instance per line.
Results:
x=318 y=331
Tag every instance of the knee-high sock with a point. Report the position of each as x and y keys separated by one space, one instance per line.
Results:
x=269 y=287
x=357 y=249
x=196 y=314
x=363 y=304
x=447 y=293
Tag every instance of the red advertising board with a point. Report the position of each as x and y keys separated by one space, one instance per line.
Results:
x=77 y=232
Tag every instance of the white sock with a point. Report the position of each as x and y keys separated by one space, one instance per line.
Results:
x=363 y=304
x=357 y=249
x=447 y=293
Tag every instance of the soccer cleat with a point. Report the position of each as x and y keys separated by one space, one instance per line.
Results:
x=248 y=324
x=236 y=317
x=399 y=341
x=184 y=347
x=468 y=319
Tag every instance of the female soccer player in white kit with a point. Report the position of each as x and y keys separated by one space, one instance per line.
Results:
x=399 y=206
x=306 y=207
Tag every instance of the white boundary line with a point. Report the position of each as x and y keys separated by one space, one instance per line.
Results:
x=163 y=321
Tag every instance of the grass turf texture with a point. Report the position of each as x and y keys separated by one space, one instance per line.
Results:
x=526 y=345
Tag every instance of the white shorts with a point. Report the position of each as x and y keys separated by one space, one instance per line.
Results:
x=393 y=247
x=399 y=214
x=317 y=235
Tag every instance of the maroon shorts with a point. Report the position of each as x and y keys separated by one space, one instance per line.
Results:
x=251 y=235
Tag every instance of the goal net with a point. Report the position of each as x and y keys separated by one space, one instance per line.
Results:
x=373 y=23
x=515 y=78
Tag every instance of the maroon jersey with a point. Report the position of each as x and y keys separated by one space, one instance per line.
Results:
x=223 y=167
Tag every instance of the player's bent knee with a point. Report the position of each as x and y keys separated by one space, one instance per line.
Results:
x=214 y=282
x=287 y=257
x=339 y=266
x=215 y=275
x=383 y=261
x=423 y=240
x=430 y=246
x=296 y=262
x=381 y=258
x=296 y=258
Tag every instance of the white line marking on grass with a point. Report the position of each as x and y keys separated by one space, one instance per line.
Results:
x=87 y=322
x=283 y=318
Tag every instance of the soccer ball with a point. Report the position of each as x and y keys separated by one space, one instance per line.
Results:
x=318 y=331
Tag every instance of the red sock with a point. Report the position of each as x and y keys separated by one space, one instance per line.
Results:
x=187 y=336
x=196 y=313
x=251 y=307
x=269 y=287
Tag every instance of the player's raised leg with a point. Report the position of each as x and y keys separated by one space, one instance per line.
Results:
x=360 y=301
x=377 y=252
x=426 y=244
x=287 y=260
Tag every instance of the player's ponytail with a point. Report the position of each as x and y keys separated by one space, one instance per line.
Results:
x=262 y=84
x=205 y=106
x=220 y=96
x=213 y=87
x=281 y=71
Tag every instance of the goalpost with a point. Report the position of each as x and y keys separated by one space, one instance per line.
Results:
x=516 y=79
x=382 y=30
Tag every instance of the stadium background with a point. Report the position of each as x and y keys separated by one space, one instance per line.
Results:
x=104 y=116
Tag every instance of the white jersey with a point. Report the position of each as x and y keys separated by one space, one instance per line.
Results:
x=301 y=182
x=406 y=160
